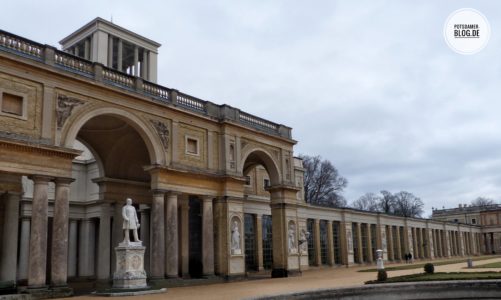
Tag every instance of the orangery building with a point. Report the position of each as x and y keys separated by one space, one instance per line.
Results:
x=218 y=190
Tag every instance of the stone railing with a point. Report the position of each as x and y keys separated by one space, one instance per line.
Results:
x=51 y=56
x=257 y=122
x=118 y=78
x=190 y=102
x=72 y=62
x=156 y=90
x=21 y=45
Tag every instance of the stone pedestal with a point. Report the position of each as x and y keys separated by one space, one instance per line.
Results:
x=129 y=273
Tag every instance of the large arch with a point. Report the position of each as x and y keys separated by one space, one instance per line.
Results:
x=151 y=140
x=259 y=156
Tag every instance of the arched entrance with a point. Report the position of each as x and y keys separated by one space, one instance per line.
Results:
x=283 y=236
x=119 y=147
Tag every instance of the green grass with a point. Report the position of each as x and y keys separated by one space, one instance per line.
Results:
x=435 y=263
x=491 y=265
x=441 y=277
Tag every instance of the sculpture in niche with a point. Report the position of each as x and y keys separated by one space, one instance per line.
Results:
x=163 y=132
x=304 y=245
x=292 y=238
x=131 y=222
x=65 y=107
x=350 y=240
x=235 y=239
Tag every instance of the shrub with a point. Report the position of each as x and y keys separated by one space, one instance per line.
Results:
x=429 y=268
x=381 y=275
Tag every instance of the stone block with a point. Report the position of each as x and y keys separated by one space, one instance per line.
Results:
x=129 y=273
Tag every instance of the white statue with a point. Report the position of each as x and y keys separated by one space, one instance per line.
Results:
x=303 y=241
x=131 y=221
x=235 y=239
x=292 y=239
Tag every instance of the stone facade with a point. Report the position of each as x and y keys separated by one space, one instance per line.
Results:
x=89 y=136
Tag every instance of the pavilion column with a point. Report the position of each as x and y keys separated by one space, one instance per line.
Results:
x=421 y=244
x=136 y=61
x=38 y=236
x=144 y=65
x=259 y=242
x=120 y=55
x=144 y=236
x=157 y=236
x=72 y=248
x=390 y=243
x=24 y=247
x=59 y=264
x=370 y=255
x=316 y=236
x=207 y=236
x=8 y=259
x=347 y=243
x=330 y=244
x=461 y=243
x=447 y=245
x=399 y=244
x=430 y=243
x=184 y=242
x=171 y=236
x=104 y=245
x=110 y=52
x=359 y=241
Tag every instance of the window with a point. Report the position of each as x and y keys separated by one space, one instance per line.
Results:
x=473 y=221
x=266 y=183
x=192 y=146
x=455 y=220
x=13 y=105
x=247 y=180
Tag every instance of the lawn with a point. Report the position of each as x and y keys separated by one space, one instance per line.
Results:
x=435 y=263
x=441 y=277
x=491 y=265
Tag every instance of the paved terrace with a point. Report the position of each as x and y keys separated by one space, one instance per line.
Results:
x=311 y=280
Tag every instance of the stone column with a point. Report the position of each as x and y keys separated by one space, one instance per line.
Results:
x=185 y=238
x=370 y=255
x=86 y=248
x=207 y=237
x=136 y=59
x=8 y=260
x=38 y=236
x=389 y=236
x=120 y=55
x=110 y=52
x=144 y=236
x=347 y=243
x=144 y=65
x=24 y=247
x=59 y=263
x=421 y=243
x=359 y=238
x=415 y=253
x=104 y=243
x=399 y=244
x=157 y=236
x=316 y=236
x=171 y=236
x=72 y=248
x=259 y=242
x=330 y=244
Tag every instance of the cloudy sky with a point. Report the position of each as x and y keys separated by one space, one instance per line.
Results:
x=370 y=85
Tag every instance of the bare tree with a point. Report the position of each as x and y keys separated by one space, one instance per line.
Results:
x=407 y=205
x=322 y=183
x=367 y=202
x=387 y=202
x=482 y=201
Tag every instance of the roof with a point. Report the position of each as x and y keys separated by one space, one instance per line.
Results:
x=100 y=23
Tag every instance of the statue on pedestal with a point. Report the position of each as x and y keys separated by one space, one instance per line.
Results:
x=131 y=222
x=129 y=272
x=235 y=240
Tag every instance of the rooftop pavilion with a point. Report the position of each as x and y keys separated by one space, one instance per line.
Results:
x=115 y=47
